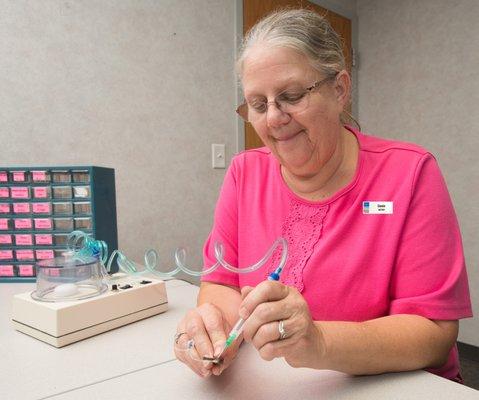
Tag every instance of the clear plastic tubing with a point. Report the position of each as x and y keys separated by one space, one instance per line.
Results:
x=82 y=244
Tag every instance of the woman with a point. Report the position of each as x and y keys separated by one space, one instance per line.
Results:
x=375 y=279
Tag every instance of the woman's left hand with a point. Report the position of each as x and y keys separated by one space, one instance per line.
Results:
x=264 y=307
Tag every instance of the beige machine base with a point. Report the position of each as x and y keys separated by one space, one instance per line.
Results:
x=63 y=323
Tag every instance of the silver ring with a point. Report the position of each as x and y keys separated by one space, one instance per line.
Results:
x=282 y=332
x=178 y=335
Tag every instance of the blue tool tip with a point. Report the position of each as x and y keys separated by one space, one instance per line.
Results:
x=274 y=276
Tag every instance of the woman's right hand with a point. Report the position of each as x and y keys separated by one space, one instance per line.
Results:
x=207 y=326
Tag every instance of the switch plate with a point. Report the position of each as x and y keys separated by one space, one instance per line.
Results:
x=218 y=155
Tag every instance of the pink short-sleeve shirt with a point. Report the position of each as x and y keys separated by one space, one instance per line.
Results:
x=388 y=243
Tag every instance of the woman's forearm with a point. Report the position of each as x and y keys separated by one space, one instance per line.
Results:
x=388 y=344
x=225 y=298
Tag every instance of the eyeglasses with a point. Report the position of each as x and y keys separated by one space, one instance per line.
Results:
x=289 y=101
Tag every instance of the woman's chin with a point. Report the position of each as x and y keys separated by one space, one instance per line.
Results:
x=293 y=155
x=296 y=164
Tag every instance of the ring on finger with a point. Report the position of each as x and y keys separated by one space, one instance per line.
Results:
x=281 y=330
x=178 y=335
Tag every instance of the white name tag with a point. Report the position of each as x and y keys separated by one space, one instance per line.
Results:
x=377 y=207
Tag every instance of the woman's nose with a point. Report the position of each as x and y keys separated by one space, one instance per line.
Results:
x=275 y=116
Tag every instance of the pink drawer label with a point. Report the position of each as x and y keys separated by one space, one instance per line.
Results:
x=23 y=223
x=3 y=224
x=39 y=176
x=40 y=192
x=23 y=240
x=25 y=270
x=4 y=193
x=6 y=254
x=25 y=255
x=6 y=270
x=44 y=254
x=21 y=208
x=42 y=208
x=43 y=239
x=4 y=208
x=20 y=192
x=3 y=176
x=5 y=239
x=43 y=223
x=19 y=176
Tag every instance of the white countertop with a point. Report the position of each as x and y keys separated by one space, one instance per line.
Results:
x=252 y=378
x=137 y=362
x=31 y=369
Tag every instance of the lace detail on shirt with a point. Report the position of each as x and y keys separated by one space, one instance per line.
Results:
x=302 y=229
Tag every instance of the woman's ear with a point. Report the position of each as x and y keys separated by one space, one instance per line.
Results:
x=342 y=88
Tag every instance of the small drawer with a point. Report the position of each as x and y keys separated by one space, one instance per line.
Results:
x=20 y=192
x=43 y=223
x=26 y=270
x=22 y=223
x=4 y=193
x=42 y=239
x=21 y=208
x=24 y=255
x=44 y=254
x=63 y=176
x=5 y=224
x=42 y=208
x=7 y=270
x=6 y=255
x=62 y=208
x=5 y=239
x=23 y=240
x=82 y=207
x=60 y=239
x=42 y=192
x=64 y=224
x=81 y=192
x=4 y=208
x=83 y=223
x=81 y=176
x=19 y=176
x=62 y=192
x=41 y=176
x=3 y=176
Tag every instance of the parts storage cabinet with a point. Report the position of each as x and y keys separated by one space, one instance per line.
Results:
x=40 y=206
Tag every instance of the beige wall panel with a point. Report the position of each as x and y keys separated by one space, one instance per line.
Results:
x=419 y=82
x=144 y=87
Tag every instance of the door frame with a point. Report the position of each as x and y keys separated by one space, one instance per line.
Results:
x=238 y=28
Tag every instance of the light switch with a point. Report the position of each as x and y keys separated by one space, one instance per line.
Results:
x=218 y=155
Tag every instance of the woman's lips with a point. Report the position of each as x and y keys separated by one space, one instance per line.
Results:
x=288 y=137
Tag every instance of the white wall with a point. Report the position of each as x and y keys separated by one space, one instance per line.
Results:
x=419 y=82
x=144 y=87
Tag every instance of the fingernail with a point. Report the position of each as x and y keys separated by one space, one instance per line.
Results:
x=243 y=312
x=218 y=350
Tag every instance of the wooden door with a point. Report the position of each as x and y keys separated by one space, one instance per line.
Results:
x=254 y=10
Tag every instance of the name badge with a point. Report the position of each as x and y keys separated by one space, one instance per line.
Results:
x=377 y=207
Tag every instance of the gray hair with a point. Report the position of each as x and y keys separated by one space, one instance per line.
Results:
x=306 y=32
x=302 y=30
